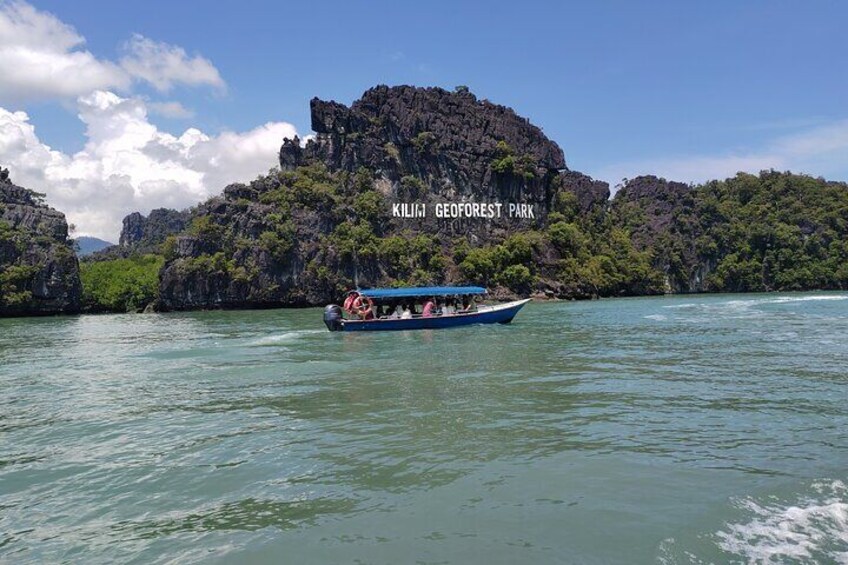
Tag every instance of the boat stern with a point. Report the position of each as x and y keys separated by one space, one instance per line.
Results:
x=333 y=318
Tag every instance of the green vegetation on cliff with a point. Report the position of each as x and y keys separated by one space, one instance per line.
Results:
x=14 y=277
x=775 y=231
x=13 y=284
x=506 y=162
x=307 y=235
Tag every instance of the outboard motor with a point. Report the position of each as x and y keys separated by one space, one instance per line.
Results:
x=333 y=318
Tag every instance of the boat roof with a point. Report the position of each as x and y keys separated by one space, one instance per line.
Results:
x=414 y=291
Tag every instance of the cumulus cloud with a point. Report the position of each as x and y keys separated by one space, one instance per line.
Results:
x=164 y=65
x=128 y=164
x=41 y=57
x=820 y=150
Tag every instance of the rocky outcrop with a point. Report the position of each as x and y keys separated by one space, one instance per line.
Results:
x=662 y=216
x=144 y=233
x=358 y=204
x=39 y=272
x=242 y=253
x=648 y=206
x=658 y=203
x=447 y=137
x=591 y=195
x=429 y=145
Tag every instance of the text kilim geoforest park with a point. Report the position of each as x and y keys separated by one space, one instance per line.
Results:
x=453 y=210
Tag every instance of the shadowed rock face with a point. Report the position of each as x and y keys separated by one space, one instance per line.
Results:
x=429 y=145
x=591 y=194
x=658 y=200
x=662 y=216
x=140 y=234
x=147 y=233
x=39 y=272
x=464 y=129
x=256 y=275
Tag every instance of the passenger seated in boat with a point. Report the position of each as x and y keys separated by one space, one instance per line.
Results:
x=429 y=307
x=468 y=304
x=449 y=308
x=406 y=313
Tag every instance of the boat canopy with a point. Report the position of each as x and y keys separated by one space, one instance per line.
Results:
x=411 y=292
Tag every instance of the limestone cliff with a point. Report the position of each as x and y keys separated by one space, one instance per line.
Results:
x=39 y=272
x=656 y=214
x=748 y=233
x=429 y=145
x=147 y=233
x=448 y=139
x=329 y=220
x=144 y=234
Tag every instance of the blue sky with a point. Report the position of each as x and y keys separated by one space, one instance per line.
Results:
x=683 y=89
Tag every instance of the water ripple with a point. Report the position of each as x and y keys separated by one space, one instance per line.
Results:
x=253 y=435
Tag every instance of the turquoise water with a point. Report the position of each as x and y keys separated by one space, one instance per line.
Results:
x=688 y=429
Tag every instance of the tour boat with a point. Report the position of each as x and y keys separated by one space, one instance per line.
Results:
x=363 y=309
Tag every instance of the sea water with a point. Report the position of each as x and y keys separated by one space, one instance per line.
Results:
x=690 y=429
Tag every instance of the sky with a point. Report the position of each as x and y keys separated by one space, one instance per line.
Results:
x=111 y=107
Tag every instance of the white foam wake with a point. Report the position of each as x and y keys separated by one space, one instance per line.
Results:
x=811 y=528
x=284 y=337
x=784 y=299
x=656 y=317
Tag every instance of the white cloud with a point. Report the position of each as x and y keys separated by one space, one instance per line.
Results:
x=830 y=138
x=41 y=58
x=173 y=110
x=164 y=65
x=128 y=165
x=819 y=151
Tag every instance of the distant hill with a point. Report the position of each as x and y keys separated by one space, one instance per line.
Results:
x=88 y=245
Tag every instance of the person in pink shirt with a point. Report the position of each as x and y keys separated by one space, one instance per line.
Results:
x=429 y=306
